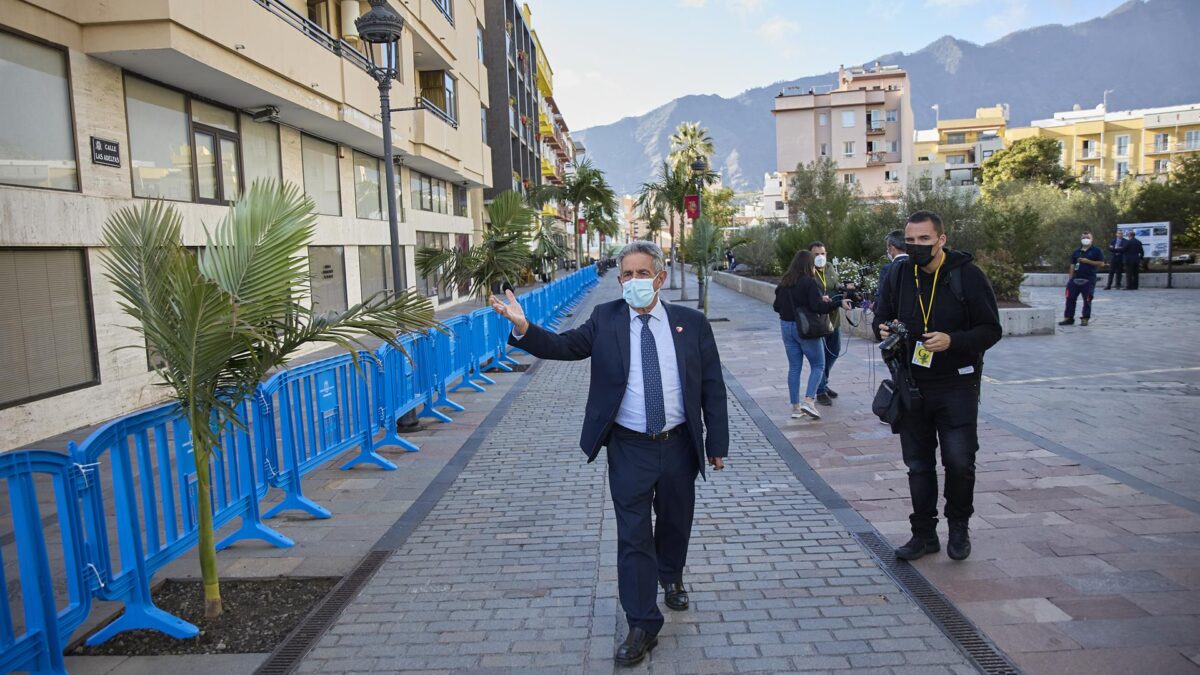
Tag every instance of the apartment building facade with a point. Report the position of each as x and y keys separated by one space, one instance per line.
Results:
x=864 y=125
x=955 y=150
x=1106 y=147
x=134 y=100
x=512 y=119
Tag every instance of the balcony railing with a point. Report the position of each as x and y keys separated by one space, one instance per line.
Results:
x=438 y=112
x=875 y=127
x=876 y=158
x=1089 y=154
x=316 y=33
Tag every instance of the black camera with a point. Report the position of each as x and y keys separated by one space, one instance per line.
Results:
x=853 y=290
x=893 y=346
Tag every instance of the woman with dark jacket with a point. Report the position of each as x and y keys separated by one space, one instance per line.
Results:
x=799 y=288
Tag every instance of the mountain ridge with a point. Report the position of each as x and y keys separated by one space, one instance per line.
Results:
x=1038 y=71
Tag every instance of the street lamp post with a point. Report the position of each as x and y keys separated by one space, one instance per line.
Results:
x=380 y=28
x=699 y=168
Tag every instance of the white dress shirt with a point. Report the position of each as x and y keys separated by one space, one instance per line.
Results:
x=632 y=413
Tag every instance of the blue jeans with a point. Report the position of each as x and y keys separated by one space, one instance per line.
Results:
x=833 y=349
x=798 y=349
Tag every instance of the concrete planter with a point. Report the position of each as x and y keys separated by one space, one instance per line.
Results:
x=1145 y=279
x=1016 y=321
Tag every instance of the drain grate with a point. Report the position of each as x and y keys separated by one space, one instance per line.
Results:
x=288 y=654
x=957 y=627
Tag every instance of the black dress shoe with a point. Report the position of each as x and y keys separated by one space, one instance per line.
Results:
x=677 y=597
x=958 y=546
x=635 y=647
x=832 y=393
x=917 y=547
x=824 y=399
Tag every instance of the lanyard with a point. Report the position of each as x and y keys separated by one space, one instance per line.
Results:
x=926 y=313
x=821 y=276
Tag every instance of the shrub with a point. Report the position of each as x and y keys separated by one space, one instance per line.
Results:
x=1004 y=273
x=758 y=250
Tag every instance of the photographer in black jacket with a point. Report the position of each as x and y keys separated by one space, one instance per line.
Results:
x=948 y=306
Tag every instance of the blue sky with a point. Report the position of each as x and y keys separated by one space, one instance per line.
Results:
x=615 y=58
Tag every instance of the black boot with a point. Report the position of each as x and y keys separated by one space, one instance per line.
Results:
x=958 y=547
x=919 y=545
x=635 y=648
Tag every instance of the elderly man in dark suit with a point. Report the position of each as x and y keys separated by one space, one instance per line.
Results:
x=656 y=389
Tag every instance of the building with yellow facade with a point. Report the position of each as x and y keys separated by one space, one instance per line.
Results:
x=1106 y=147
x=955 y=150
x=109 y=104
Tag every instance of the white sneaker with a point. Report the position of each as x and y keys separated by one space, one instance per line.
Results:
x=797 y=413
x=809 y=409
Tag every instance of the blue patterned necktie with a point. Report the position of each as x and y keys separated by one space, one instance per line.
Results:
x=656 y=410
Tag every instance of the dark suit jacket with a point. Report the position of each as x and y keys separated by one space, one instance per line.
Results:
x=605 y=338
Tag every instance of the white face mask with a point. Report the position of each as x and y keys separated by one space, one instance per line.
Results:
x=819 y=260
x=1085 y=241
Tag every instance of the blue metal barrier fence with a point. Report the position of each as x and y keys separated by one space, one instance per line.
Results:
x=126 y=498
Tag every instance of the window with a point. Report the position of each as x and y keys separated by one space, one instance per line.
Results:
x=1191 y=140
x=824 y=149
x=822 y=119
x=321 y=175
x=483 y=123
x=160 y=152
x=479 y=41
x=438 y=89
x=375 y=270
x=1089 y=173
x=1090 y=150
x=892 y=115
x=1161 y=165
x=1161 y=141
x=327 y=271
x=429 y=194
x=849 y=179
x=1122 y=170
x=260 y=150
x=37 y=143
x=326 y=15
x=891 y=176
x=956 y=159
x=988 y=153
x=779 y=206
x=218 y=167
x=1122 y=146
x=368 y=202
x=446 y=7
x=893 y=146
x=952 y=139
x=848 y=118
x=848 y=148
x=432 y=285
x=460 y=201
x=47 y=342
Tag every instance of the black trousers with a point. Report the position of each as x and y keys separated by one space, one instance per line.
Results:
x=949 y=419
x=1131 y=275
x=1115 y=268
x=647 y=476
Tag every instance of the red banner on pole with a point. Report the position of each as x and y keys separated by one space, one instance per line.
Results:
x=691 y=206
x=583 y=226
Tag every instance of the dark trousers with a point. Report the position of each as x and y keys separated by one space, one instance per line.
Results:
x=948 y=418
x=647 y=476
x=1115 y=268
x=833 y=348
x=1075 y=290
x=1131 y=275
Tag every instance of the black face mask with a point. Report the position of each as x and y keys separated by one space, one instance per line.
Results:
x=921 y=254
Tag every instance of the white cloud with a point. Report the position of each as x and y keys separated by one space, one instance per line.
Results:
x=693 y=3
x=778 y=29
x=1014 y=17
x=950 y=4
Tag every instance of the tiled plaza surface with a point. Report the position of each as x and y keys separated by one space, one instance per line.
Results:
x=1076 y=567
x=515 y=569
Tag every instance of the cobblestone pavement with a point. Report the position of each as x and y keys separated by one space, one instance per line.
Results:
x=515 y=570
x=1086 y=547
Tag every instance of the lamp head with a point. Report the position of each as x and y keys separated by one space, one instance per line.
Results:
x=699 y=166
x=381 y=27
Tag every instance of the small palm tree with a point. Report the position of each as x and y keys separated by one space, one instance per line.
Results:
x=548 y=248
x=499 y=258
x=219 y=322
x=586 y=190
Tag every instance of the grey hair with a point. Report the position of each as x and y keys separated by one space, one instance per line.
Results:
x=895 y=239
x=649 y=248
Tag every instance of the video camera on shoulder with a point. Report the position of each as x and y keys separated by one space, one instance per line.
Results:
x=853 y=290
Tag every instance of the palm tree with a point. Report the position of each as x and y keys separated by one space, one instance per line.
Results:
x=666 y=192
x=499 y=258
x=548 y=248
x=584 y=188
x=690 y=142
x=221 y=321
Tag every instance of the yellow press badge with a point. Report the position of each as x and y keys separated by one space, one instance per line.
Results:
x=921 y=356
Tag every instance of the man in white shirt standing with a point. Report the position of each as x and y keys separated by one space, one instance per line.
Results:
x=657 y=401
